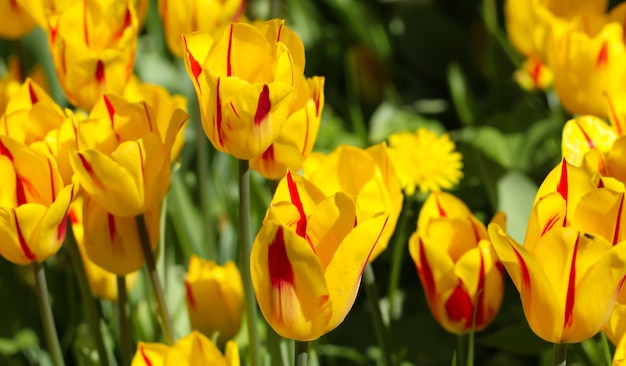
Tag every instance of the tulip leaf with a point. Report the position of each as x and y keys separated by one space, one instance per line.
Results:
x=23 y=339
x=498 y=146
x=389 y=119
x=518 y=339
x=516 y=194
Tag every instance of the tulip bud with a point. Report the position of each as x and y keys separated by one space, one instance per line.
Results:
x=214 y=298
x=15 y=21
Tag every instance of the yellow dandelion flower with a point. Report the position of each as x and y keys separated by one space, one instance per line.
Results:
x=426 y=160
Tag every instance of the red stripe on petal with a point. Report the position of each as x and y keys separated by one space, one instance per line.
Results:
x=459 y=306
x=196 y=69
x=589 y=141
x=189 y=294
x=90 y=171
x=229 y=68
x=614 y=114
x=603 y=55
x=33 y=96
x=571 y=290
x=550 y=224
x=562 y=185
x=618 y=220
x=373 y=246
x=306 y=132
x=280 y=270
x=111 y=224
x=263 y=107
x=523 y=269
x=295 y=200
x=535 y=73
x=23 y=245
x=442 y=212
x=148 y=116
x=100 y=73
x=426 y=275
x=62 y=229
x=145 y=357
x=480 y=294
x=268 y=155
x=218 y=114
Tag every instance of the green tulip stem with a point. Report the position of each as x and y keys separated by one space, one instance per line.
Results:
x=462 y=349
x=91 y=311
x=245 y=246
x=559 y=355
x=49 y=330
x=397 y=255
x=166 y=321
x=301 y=355
x=369 y=281
x=606 y=349
x=123 y=321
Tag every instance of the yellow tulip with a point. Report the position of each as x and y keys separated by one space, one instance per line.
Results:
x=245 y=83
x=15 y=21
x=298 y=134
x=308 y=257
x=194 y=349
x=30 y=114
x=103 y=283
x=164 y=104
x=588 y=57
x=122 y=160
x=368 y=175
x=93 y=46
x=534 y=74
x=34 y=203
x=214 y=298
x=457 y=265
x=113 y=242
x=586 y=141
x=188 y=16
x=615 y=327
x=568 y=281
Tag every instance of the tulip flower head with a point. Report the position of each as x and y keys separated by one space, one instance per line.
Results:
x=34 y=203
x=424 y=160
x=245 y=82
x=298 y=134
x=15 y=21
x=194 y=349
x=93 y=46
x=368 y=175
x=308 y=257
x=189 y=16
x=214 y=298
x=456 y=263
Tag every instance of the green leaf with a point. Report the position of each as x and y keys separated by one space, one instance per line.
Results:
x=516 y=193
x=389 y=119
x=518 y=339
x=498 y=146
x=23 y=339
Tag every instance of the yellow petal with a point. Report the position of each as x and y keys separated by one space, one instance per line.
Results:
x=582 y=134
x=441 y=204
x=195 y=349
x=600 y=212
x=150 y=354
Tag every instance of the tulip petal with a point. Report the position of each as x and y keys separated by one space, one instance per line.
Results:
x=232 y=354
x=441 y=204
x=343 y=273
x=547 y=214
x=615 y=160
x=584 y=133
x=50 y=232
x=289 y=283
x=543 y=306
x=116 y=189
x=150 y=354
x=195 y=349
x=597 y=290
x=600 y=212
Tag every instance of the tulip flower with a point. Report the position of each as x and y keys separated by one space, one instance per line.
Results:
x=34 y=203
x=534 y=74
x=15 y=21
x=122 y=161
x=30 y=114
x=93 y=46
x=298 y=134
x=368 y=175
x=214 y=298
x=615 y=327
x=194 y=349
x=436 y=156
x=245 y=83
x=188 y=16
x=308 y=257
x=457 y=266
x=588 y=57
x=103 y=283
x=568 y=281
x=586 y=141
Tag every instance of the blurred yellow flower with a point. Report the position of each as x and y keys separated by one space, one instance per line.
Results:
x=214 y=296
x=425 y=160
x=534 y=74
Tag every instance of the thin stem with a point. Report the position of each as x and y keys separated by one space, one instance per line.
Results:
x=166 y=322
x=244 y=262
x=369 y=281
x=397 y=256
x=49 y=330
x=606 y=350
x=123 y=321
x=91 y=311
x=462 y=349
x=559 y=355
x=204 y=182
x=301 y=355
